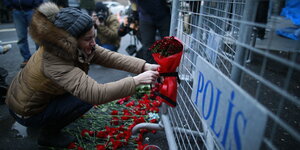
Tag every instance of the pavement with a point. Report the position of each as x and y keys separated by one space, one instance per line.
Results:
x=14 y=136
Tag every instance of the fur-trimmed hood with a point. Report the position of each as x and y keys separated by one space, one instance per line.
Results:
x=54 y=40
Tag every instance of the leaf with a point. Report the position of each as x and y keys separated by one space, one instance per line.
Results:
x=104 y=109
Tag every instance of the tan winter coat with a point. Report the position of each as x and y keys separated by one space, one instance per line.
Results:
x=108 y=33
x=56 y=69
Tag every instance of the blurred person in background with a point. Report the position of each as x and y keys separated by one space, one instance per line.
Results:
x=61 y=3
x=22 y=14
x=4 y=48
x=5 y=16
x=95 y=18
x=130 y=23
x=88 y=5
x=107 y=27
x=153 y=15
x=3 y=73
x=54 y=88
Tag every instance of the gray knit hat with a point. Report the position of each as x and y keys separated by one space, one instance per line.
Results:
x=73 y=21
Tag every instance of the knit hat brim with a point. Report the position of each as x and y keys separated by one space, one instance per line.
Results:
x=74 y=21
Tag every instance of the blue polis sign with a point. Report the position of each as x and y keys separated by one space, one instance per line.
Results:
x=236 y=120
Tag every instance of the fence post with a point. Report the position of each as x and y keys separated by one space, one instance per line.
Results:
x=244 y=37
x=164 y=117
x=174 y=17
x=168 y=128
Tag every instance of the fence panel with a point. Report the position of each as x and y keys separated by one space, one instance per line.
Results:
x=240 y=80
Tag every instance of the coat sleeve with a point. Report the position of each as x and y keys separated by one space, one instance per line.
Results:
x=116 y=60
x=79 y=84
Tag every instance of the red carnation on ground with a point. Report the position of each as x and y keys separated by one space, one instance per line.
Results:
x=72 y=145
x=100 y=147
x=86 y=132
x=114 y=112
x=101 y=134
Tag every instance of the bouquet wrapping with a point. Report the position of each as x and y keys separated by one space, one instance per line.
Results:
x=167 y=53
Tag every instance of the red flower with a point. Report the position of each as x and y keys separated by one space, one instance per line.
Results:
x=72 y=145
x=153 y=120
x=166 y=46
x=120 y=136
x=86 y=132
x=116 y=144
x=122 y=128
x=154 y=109
x=101 y=134
x=139 y=138
x=152 y=95
x=125 y=111
x=134 y=117
x=131 y=126
x=130 y=104
x=142 y=131
x=127 y=134
x=145 y=97
x=115 y=121
x=80 y=148
x=157 y=85
x=114 y=112
x=141 y=146
x=153 y=131
x=100 y=147
x=122 y=100
x=147 y=105
x=143 y=112
x=139 y=120
x=112 y=140
x=111 y=131
x=156 y=103
x=125 y=117
x=138 y=107
x=155 y=89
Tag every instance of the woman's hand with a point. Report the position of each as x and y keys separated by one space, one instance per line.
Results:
x=152 y=67
x=147 y=77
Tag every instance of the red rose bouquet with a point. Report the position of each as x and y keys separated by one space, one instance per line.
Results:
x=167 y=53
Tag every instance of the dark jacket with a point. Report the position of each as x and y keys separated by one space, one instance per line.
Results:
x=22 y=4
x=152 y=10
x=61 y=3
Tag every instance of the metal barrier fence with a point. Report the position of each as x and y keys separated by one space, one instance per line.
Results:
x=240 y=81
